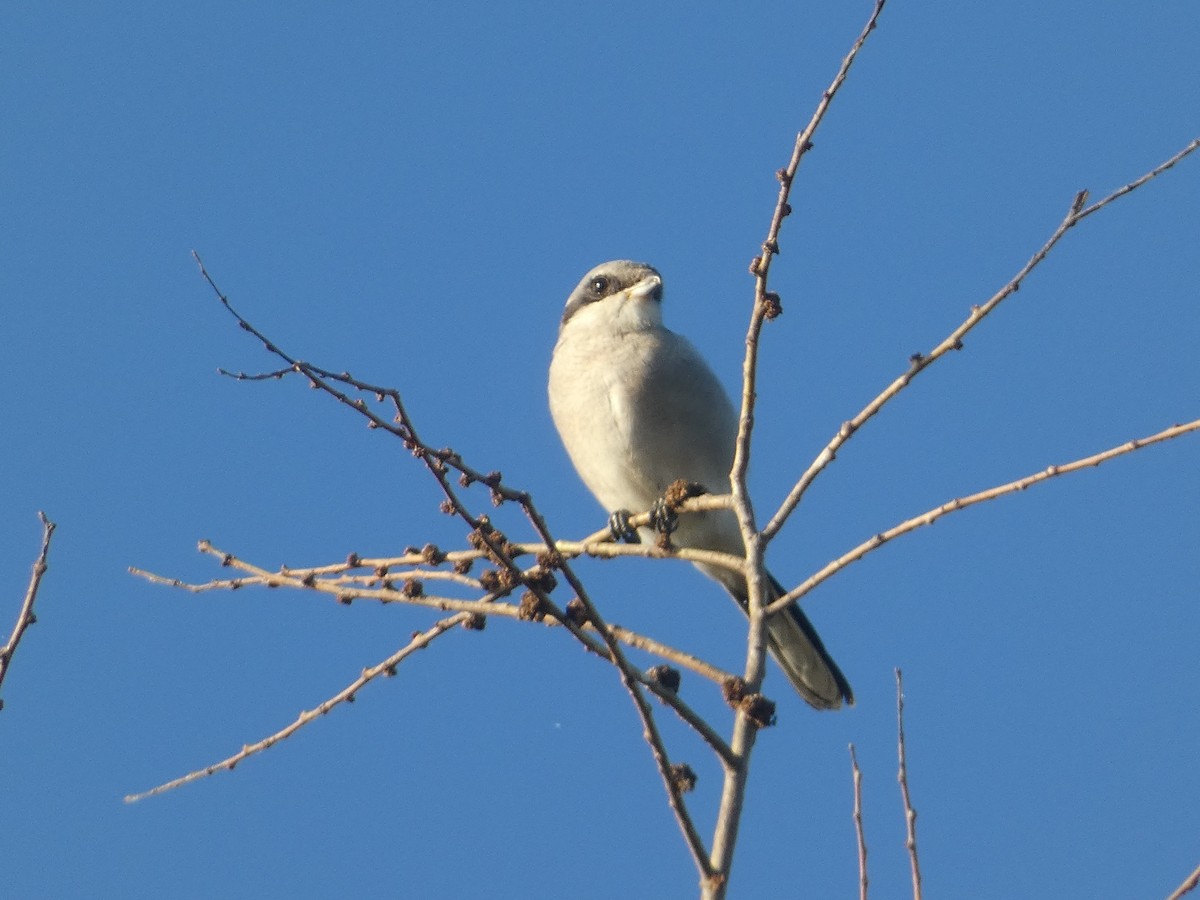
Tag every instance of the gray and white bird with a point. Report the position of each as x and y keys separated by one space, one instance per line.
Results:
x=638 y=408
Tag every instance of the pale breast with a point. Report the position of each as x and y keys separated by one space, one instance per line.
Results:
x=639 y=411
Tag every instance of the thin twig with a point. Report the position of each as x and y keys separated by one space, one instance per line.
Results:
x=910 y=814
x=858 y=826
x=343 y=593
x=671 y=654
x=1189 y=884
x=348 y=592
x=961 y=503
x=954 y=341
x=346 y=695
x=1140 y=180
x=745 y=730
x=760 y=266
x=26 y=617
x=300 y=578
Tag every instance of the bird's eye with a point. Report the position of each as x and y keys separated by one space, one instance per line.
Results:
x=599 y=285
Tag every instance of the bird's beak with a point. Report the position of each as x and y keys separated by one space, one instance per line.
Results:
x=649 y=288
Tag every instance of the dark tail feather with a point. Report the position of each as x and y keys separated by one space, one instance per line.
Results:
x=794 y=644
x=797 y=648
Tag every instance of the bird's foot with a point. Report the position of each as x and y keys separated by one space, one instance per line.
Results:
x=622 y=533
x=663 y=517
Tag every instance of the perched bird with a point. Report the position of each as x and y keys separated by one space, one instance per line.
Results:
x=638 y=408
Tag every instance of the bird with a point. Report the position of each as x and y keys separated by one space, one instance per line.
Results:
x=638 y=408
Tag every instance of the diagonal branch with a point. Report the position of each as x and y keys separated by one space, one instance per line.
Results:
x=1189 y=884
x=961 y=503
x=346 y=695
x=953 y=341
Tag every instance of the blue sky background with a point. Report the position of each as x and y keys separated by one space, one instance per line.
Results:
x=409 y=192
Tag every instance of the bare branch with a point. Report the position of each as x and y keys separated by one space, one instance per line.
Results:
x=1189 y=885
x=858 y=826
x=961 y=503
x=1139 y=181
x=346 y=695
x=765 y=305
x=25 y=617
x=910 y=814
x=671 y=654
x=667 y=696
x=760 y=266
x=953 y=341
x=345 y=592
x=630 y=678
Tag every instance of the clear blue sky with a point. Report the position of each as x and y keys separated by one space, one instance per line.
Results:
x=410 y=191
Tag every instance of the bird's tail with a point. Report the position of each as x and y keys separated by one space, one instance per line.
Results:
x=795 y=645
x=798 y=650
